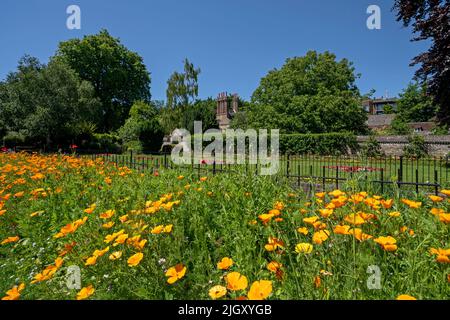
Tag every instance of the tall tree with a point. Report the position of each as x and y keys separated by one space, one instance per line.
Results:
x=182 y=90
x=430 y=20
x=310 y=94
x=415 y=105
x=142 y=130
x=46 y=104
x=118 y=75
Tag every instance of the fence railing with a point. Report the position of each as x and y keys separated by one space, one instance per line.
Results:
x=382 y=174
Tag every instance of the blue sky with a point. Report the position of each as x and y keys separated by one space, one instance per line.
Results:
x=234 y=42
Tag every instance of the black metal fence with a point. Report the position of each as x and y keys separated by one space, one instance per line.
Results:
x=382 y=174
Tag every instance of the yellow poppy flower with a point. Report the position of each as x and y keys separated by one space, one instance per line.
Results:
x=217 y=292
x=236 y=281
x=225 y=263
x=135 y=259
x=260 y=290
x=85 y=292
x=115 y=255
x=306 y=248
x=175 y=273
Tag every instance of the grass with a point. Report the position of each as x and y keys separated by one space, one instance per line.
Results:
x=212 y=219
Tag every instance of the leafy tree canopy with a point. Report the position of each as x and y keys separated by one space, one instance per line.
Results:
x=430 y=20
x=142 y=130
x=118 y=75
x=415 y=105
x=310 y=94
x=46 y=103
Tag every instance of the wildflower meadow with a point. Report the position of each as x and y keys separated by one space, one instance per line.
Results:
x=171 y=234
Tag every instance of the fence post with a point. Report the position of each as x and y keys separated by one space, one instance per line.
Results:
x=165 y=160
x=382 y=180
x=323 y=177
x=287 y=166
x=131 y=158
x=436 y=183
x=337 y=177
x=400 y=172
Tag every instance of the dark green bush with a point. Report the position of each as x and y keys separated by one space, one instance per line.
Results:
x=417 y=147
x=13 y=139
x=323 y=144
x=372 y=148
x=106 y=142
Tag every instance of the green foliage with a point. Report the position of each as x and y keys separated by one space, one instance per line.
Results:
x=142 y=130
x=399 y=127
x=119 y=76
x=12 y=139
x=415 y=105
x=388 y=109
x=310 y=94
x=372 y=148
x=441 y=130
x=108 y=142
x=181 y=110
x=323 y=144
x=430 y=21
x=201 y=110
x=46 y=103
x=182 y=88
x=417 y=147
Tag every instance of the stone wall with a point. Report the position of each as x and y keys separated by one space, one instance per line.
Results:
x=439 y=146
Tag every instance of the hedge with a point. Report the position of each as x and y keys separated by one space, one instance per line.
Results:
x=320 y=144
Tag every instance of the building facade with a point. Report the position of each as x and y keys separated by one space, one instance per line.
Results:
x=377 y=106
x=225 y=113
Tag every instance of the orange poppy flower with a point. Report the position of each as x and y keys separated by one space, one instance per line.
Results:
x=236 y=281
x=260 y=290
x=225 y=263
x=175 y=273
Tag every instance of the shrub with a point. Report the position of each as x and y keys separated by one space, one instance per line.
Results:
x=372 y=148
x=323 y=144
x=417 y=147
x=108 y=142
x=135 y=146
x=12 y=139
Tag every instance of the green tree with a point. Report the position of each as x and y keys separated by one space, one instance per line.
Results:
x=430 y=20
x=46 y=103
x=310 y=94
x=182 y=90
x=142 y=130
x=388 y=109
x=415 y=105
x=118 y=75
x=201 y=110
x=416 y=147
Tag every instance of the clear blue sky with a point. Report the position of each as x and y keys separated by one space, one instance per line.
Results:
x=234 y=42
